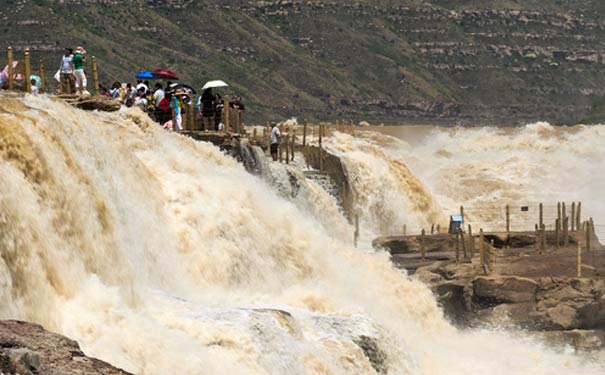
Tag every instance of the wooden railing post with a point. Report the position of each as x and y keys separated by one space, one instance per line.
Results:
x=226 y=112
x=588 y=236
x=542 y=238
x=356 y=234
x=287 y=144
x=404 y=230
x=462 y=243
x=292 y=144
x=192 y=115
x=321 y=157
x=304 y=141
x=573 y=216
x=95 y=76
x=579 y=271
x=11 y=84
x=557 y=232
x=457 y=246
x=481 y=248
x=28 y=72
x=537 y=241
x=184 y=116
x=471 y=241
x=422 y=244
x=579 y=216
x=240 y=121
x=491 y=257
x=541 y=219
x=559 y=218
x=462 y=214
x=42 y=78
x=566 y=231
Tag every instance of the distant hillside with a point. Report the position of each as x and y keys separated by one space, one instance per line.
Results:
x=419 y=61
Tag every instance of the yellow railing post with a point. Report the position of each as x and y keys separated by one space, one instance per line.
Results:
x=422 y=244
x=321 y=158
x=463 y=243
x=28 y=72
x=573 y=216
x=491 y=257
x=579 y=273
x=240 y=121
x=579 y=216
x=457 y=246
x=471 y=241
x=226 y=112
x=304 y=141
x=587 y=236
x=541 y=218
x=537 y=242
x=287 y=144
x=10 y=69
x=42 y=78
x=356 y=234
x=192 y=115
x=481 y=248
x=95 y=76
x=292 y=144
x=542 y=238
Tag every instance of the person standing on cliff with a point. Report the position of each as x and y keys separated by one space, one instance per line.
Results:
x=274 y=139
x=67 y=72
x=78 y=60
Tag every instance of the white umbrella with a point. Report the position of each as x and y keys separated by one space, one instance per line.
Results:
x=212 y=84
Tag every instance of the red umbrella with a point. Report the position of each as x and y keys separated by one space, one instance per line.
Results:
x=165 y=74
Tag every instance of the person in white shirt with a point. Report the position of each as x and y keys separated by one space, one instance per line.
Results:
x=140 y=100
x=158 y=95
x=141 y=84
x=274 y=139
x=68 y=82
x=33 y=87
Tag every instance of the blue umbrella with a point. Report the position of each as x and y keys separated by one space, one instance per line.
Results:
x=146 y=74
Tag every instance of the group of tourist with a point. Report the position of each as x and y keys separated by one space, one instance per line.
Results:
x=167 y=104
x=164 y=104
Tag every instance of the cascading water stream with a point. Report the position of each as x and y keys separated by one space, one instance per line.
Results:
x=162 y=256
x=483 y=169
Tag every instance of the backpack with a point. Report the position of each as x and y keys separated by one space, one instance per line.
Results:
x=164 y=105
x=129 y=102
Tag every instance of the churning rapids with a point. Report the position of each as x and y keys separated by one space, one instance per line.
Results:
x=162 y=256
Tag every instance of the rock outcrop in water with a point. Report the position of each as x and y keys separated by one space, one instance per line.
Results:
x=28 y=349
x=526 y=291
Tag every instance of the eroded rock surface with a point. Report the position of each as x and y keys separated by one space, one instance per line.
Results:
x=28 y=349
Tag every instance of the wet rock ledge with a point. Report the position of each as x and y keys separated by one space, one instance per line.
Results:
x=538 y=293
x=28 y=349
